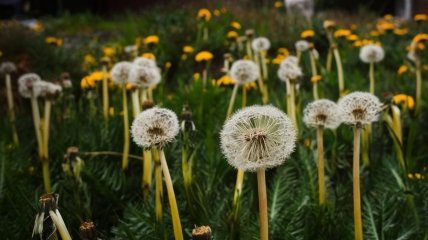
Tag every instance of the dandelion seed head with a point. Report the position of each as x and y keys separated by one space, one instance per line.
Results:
x=260 y=44
x=144 y=62
x=324 y=113
x=244 y=71
x=257 y=137
x=7 y=67
x=360 y=108
x=302 y=45
x=154 y=127
x=26 y=83
x=371 y=53
x=289 y=70
x=120 y=72
x=144 y=76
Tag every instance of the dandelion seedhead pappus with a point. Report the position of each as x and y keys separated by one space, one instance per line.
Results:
x=360 y=108
x=322 y=113
x=144 y=76
x=258 y=137
x=26 y=85
x=7 y=67
x=244 y=71
x=302 y=45
x=120 y=72
x=144 y=62
x=154 y=127
x=289 y=70
x=371 y=53
x=47 y=90
x=44 y=225
x=260 y=44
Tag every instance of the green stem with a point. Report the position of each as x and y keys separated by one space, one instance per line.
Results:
x=135 y=103
x=320 y=154
x=372 y=78
x=12 y=118
x=36 y=122
x=105 y=93
x=263 y=209
x=232 y=100
x=125 y=160
x=339 y=66
x=147 y=172
x=358 y=226
x=366 y=132
x=418 y=87
x=45 y=147
x=329 y=60
x=158 y=183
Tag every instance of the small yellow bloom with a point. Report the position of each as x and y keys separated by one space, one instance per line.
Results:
x=196 y=76
x=203 y=56
x=152 y=39
x=37 y=26
x=329 y=24
x=87 y=82
x=88 y=61
x=402 y=69
x=251 y=85
x=410 y=176
x=278 y=59
x=149 y=55
x=109 y=51
x=354 y=26
x=316 y=78
x=419 y=176
x=232 y=34
x=352 y=38
x=404 y=100
x=130 y=86
x=307 y=34
x=374 y=33
x=342 y=33
x=420 y=37
x=278 y=4
x=383 y=26
x=420 y=17
x=111 y=111
x=236 y=25
x=283 y=52
x=401 y=31
x=187 y=49
x=139 y=41
x=216 y=12
x=54 y=41
x=388 y=17
x=225 y=80
x=168 y=65
x=98 y=76
x=204 y=14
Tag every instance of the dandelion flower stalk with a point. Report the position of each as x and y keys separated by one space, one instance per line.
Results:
x=45 y=157
x=359 y=109
x=339 y=66
x=263 y=209
x=12 y=117
x=393 y=120
x=125 y=160
x=372 y=78
x=105 y=93
x=158 y=183
x=314 y=73
x=320 y=155
x=418 y=99
x=135 y=102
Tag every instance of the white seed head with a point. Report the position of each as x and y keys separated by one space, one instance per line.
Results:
x=322 y=113
x=360 y=108
x=244 y=71
x=120 y=72
x=302 y=45
x=7 y=67
x=47 y=89
x=258 y=137
x=144 y=76
x=260 y=44
x=289 y=70
x=144 y=62
x=130 y=48
x=25 y=84
x=371 y=53
x=154 y=127
x=411 y=55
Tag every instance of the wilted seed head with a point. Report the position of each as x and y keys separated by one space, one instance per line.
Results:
x=244 y=71
x=65 y=80
x=47 y=90
x=371 y=53
x=120 y=72
x=202 y=233
x=154 y=127
x=7 y=67
x=258 y=137
x=289 y=70
x=302 y=45
x=43 y=225
x=260 y=44
x=360 y=108
x=249 y=33
x=186 y=119
x=322 y=113
x=144 y=76
x=88 y=230
x=26 y=83
x=147 y=104
x=145 y=62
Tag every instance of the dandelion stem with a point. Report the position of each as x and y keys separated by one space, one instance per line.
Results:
x=158 y=187
x=320 y=153
x=365 y=144
x=329 y=59
x=135 y=103
x=125 y=160
x=11 y=109
x=36 y=121
x=105 y=93
x=244 y=96
x=358 y=226
x=232 y=100
x=178 y=233
x=339 y=66
x=237 y=193
x=264 y=65
x=263 y=210
x=418 y=87
x=293 y=105
x=45 y=147
x=63 y=232
x=314 y=73
x=147 y=172
x=372 y=78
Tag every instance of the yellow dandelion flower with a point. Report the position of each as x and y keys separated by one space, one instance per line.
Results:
x=404 y=100
x=203 y=56
x=374 y=33
x=204 y=14
x=236 y=25
x=196 y=76
x=419 y=176
x=402 y=69
x=87 y=82
x=139 y=41
x=388 y=17
x=283 y=51
x=187 y=49
x=54 y=41
x=216 y=12
x=420 y=37
x=168 y=65
x=278 y=59
x=420 y=17
x=109 y=51
x=232 y=35
x=149 y=55
x=316 y=78
x=385 y=26
x=251 y=85
x=352 y=37
x=98 y=76
x=88 y=59
x=401 y=31
x=410 y=176
x=152 y=39
x=342 y=33
x=225 y=81
x=278 y=4
x=307 y=34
